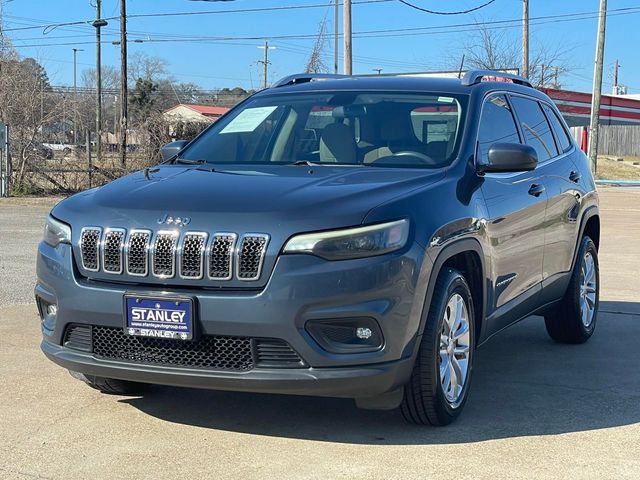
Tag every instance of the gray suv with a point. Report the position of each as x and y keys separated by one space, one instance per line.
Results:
x=351 y=237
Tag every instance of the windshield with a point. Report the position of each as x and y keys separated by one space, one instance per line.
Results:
x=344 y=128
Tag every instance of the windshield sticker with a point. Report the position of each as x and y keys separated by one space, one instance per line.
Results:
x=248 y=120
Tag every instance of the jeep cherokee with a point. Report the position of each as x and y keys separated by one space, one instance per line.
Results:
x=336 y=236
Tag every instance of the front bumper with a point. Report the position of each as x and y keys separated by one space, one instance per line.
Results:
x=349 y=382
x=301 y=288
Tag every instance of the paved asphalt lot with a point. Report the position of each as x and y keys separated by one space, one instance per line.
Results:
x=537 y=409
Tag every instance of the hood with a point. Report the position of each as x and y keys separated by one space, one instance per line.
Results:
x=241 y=199
x=279 y=201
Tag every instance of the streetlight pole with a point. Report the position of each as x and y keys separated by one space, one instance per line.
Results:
x=597 y=87
x=75 y=96
x=98 y=24
x=265 y=63
x=348 y=53
x=336 y=45
x=123 y=83
x=525 y=38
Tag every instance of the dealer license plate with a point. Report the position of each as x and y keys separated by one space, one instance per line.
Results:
x=169 y=318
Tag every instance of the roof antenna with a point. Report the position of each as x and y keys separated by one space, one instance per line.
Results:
x=461 y=67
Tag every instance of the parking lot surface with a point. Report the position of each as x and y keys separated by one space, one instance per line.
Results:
x=536 y=410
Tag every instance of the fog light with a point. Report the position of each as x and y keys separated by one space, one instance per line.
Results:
x=346 y=335
x=48 y=315
x=363 y=333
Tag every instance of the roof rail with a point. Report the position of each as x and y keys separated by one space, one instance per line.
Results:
x=475 y=76
x=306 y=78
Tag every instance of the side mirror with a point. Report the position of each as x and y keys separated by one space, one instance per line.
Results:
x=510 y=157
x=172 y=149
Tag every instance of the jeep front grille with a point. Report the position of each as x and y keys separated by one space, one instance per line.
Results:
x=170 y=254
x=251 y=256
x=221 y=256
x=192 y=255
x=164 y=255
x=112 y=250
x=138 y=253
x=90 y=247
x=210 y=352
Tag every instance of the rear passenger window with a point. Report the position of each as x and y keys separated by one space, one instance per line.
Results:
x=497 y=125
x=561 y=133
x=535 y=128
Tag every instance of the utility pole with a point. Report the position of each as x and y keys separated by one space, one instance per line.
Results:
x=75 y=96
x=348 y=45
x=597 y=87
x=616 y=67
x=98 y=24
x=378 y=70
x=556 y=71
x=525 y=38
x=336 y=33
x=266 y=63
x=123 y=83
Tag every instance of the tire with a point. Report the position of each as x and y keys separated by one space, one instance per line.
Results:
x=111 y=386
x=569 y=322
x=426 y=401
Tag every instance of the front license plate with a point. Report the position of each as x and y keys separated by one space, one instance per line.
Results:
x=170 y=318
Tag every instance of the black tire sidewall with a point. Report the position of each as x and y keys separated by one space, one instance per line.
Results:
x=586 y=245
x=455 y=283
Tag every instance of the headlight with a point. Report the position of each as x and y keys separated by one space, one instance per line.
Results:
x=56 y=232
x=350 y=243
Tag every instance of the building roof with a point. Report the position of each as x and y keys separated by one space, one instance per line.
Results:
x=206 y=110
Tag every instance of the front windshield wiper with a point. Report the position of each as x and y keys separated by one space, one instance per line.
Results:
x=186 y=161
x=305 y=163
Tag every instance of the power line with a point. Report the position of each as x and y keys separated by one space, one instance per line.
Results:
x=435 y=12
x=398 y=32
x=50 y=26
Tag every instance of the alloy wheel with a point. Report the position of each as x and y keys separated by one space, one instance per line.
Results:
x=454 y=349
x=588 y=289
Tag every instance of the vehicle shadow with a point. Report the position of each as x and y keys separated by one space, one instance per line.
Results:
x=524 y=384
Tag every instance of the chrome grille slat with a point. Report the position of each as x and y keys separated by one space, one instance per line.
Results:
x=137 y=253
x=90 y=248
x=164 y=254
x=250 y=256
x=172 y=253
x=192 y=255
x=221 y=256
x=112 y=246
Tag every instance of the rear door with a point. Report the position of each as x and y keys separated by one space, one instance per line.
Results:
x=563 y=208
x=516 y=204
x=539 y=125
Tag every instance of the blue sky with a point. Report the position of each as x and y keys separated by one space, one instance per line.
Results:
x=215 y=64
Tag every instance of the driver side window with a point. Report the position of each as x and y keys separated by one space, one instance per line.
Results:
x=497 y=125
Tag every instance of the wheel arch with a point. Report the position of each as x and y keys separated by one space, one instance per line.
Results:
x=466 y=256
x=589 y=225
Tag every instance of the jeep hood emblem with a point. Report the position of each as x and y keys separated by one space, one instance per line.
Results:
x=177 y=221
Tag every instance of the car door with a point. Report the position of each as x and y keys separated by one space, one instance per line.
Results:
x=564 y=194
x=516 y=204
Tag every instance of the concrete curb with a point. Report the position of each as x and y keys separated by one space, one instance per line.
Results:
x=620 y=183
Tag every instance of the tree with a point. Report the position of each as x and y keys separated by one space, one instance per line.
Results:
x=31 y=108
x=141 y=99
x=495 y=49
x=141 y=65
x=315 y=64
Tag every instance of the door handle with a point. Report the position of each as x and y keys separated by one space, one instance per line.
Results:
x=536 y=190
x=575 y=177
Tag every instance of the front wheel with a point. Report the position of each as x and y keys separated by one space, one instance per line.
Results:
x=574 y=320
x=439 y=384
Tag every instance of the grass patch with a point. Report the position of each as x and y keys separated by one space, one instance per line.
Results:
x=609 y=168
